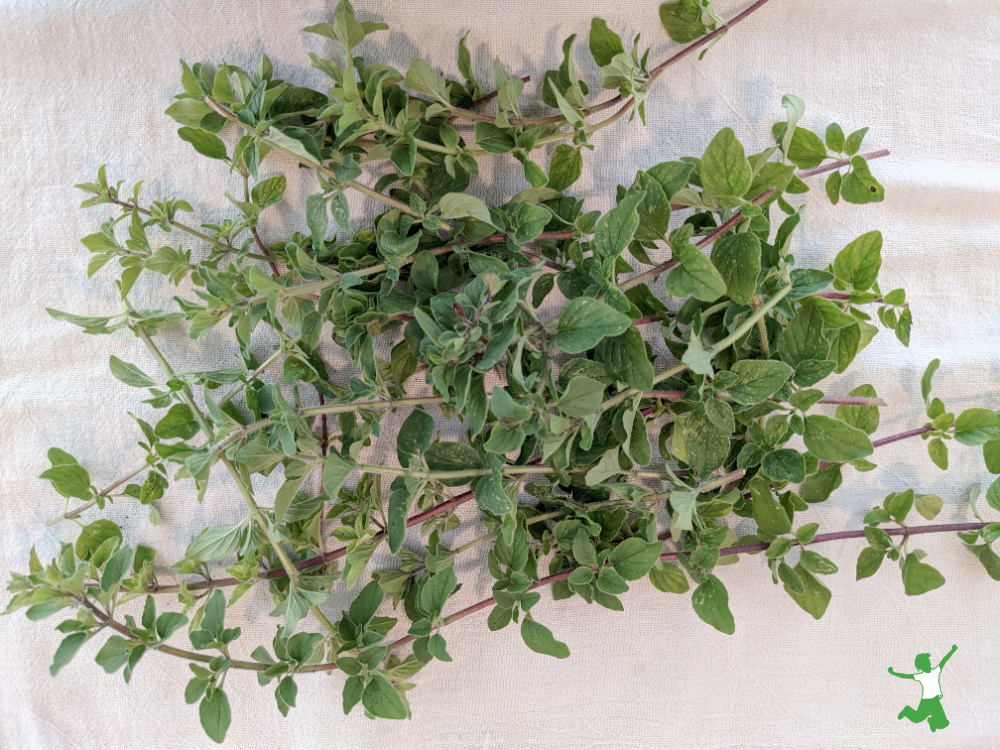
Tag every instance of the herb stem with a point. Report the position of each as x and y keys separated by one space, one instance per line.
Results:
x=360 y=187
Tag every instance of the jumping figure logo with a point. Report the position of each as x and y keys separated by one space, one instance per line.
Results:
x=930 y=699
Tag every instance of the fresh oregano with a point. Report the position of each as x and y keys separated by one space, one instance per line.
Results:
x=636 y=463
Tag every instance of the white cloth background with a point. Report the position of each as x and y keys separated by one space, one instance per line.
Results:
x=85 y=83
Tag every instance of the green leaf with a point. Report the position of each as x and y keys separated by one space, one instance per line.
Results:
x=634 y=558
x=415 y=436
x=815 y=597
x=757 y=380
x=461 y=205
x=991 y=455
x=768 y=513
x=993 y=494
x=286 y=494
x=113 y=655
x=625 y=357
x=584 y=321
x=539 y=639
x=803 y=338
x=725 y=171
x=491 y=497
x=834 y=137
x=925 y=380
x=447 y=456
x=129 y=374
x=437 y=646
x=668 y=578
x=66 y=651
x=215 y=542
x=425 y=80
x=859 y=186
x=491 y=138
x=179 y=422
x=354 y=687
x=204 y=142
x=366 y=604
x=404 y=492
x=858 y=264
x=865 y=418
x=168 y=623
x=583 y=397
x=816 y=563
x=699 y=443
x=268 y=192
x=616 y=228
x=711 y=604
x=95 y=534
x=806 y=149
x=785 y=465
x=194 y=113
x=869 y=561
x=604 y=43
x=832 y=440
x=117 y=567
x=977 y=426
x=694 y=276
x=435 y=592
x=737 y=256
x=929 y=506
x=69 y=480
x=919 y=577
x=683 y=20
x=335 y=471
x=215 y=714
x=565 y=167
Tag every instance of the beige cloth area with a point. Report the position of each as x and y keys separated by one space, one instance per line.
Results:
x=86 y=82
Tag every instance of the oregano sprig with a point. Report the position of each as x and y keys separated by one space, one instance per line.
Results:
x=593 y=461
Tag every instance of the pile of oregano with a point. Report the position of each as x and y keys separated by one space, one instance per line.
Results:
x=594 y=463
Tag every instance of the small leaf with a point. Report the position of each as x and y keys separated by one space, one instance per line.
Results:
x=919 y=577
x=711 y=604
x=539 y=639
x=129 y=374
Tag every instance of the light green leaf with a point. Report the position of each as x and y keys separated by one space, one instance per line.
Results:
x=859 y=262
x=565 y=167
x=737 y=256
x=832 y=440
x=694 y=276
x=977 y=426
x=582 y=398
x=725 y=171
x=584 y=321
x=204 y=143
x=604 y=43
x=461 y=205
x=633 y=558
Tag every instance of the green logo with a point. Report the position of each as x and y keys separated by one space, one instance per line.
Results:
x=930 y=699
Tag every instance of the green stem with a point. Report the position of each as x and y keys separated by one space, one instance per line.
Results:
x=188 y=398
x=750 y=322
x=189 y=230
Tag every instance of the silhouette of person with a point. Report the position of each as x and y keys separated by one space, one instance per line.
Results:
x=930 y=700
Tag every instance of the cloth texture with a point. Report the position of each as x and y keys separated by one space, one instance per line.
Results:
x=85 y=83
